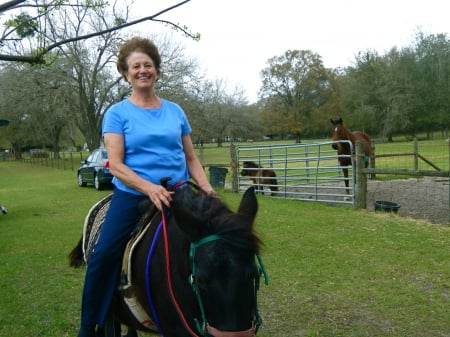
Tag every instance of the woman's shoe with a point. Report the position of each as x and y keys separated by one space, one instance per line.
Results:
x=87 y=331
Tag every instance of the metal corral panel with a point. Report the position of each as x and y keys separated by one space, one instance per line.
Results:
x=306 y=171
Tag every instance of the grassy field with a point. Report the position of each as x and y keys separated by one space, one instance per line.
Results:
x=334 y=271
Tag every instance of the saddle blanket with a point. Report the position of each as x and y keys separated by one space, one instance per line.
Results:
x=91 y=230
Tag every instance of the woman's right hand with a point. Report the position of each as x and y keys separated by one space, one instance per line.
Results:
x=160 y=196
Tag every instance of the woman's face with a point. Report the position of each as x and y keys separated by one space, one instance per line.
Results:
x=141 y=71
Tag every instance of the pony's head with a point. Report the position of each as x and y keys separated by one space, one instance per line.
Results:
x=222 y=260
x=250 y=169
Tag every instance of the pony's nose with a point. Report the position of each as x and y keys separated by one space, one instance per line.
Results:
x=334 y=146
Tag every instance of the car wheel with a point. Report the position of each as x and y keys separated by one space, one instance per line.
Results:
x=97 y=184
x=80 y=181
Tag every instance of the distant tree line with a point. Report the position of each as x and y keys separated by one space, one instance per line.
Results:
x=405 y=91
x=60 y=100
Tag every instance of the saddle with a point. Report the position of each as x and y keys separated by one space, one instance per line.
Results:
x=91 y=230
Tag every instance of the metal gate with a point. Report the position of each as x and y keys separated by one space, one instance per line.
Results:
x=307 y=171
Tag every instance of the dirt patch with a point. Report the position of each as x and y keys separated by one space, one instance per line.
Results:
x=425 y=199
x=419 y=198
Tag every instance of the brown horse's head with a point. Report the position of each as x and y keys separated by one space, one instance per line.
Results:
x=341 y=136
x=338 y=132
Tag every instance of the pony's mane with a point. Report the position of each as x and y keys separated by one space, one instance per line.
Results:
x=221 y=220
x=248 y=164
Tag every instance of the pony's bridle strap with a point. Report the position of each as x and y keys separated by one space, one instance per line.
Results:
x=203 y=326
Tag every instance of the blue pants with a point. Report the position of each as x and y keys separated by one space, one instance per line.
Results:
x=104 y=263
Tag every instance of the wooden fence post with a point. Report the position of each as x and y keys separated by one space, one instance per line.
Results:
x=202 y=156
x=372 y=161
x=234 y=169
x=416 y=153
x=361 y=178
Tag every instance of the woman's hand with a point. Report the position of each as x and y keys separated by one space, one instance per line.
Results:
x=208 y=190
x=160 y=196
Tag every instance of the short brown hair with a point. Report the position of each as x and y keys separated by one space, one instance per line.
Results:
x=140 y=45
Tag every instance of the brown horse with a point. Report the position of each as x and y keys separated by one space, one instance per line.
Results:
x=345 y=152
x=260 y=176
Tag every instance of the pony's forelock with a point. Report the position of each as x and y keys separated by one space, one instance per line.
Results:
x=217 y=218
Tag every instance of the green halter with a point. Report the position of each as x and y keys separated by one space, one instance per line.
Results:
x=202 y=328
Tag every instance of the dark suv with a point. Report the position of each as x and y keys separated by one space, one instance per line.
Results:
x=95 y=170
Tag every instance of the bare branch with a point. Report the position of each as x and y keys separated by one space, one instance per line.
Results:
x=8 y=5
x=39 y=56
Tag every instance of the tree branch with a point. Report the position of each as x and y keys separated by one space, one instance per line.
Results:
x=39 y=57
x=8 y=5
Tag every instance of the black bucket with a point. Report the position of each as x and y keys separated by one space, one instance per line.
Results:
x=386 y=206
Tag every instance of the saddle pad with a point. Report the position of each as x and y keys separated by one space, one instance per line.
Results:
x=91 y=230
x=92 y=224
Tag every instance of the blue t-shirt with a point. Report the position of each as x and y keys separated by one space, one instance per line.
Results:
x=153 y=145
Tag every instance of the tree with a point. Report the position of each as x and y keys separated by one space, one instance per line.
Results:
x=29 y=36
x=15 y=106
x=38 y=100
x=298 y=86
x=221 y=114
x=364 y=93
x=433 y=82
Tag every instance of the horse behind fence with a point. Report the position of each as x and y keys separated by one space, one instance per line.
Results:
x=261 y=177
x=344 y=150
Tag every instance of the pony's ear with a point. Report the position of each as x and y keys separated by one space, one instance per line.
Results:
x=340 y=121
x=249 y=203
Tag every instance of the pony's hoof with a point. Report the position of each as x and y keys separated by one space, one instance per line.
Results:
x=347 y=198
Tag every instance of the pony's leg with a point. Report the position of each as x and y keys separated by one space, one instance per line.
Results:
x=273 y=189
x=273 y=186
x=257 y=186
x=345 y=171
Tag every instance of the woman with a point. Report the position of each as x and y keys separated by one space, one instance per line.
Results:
x=147 y=138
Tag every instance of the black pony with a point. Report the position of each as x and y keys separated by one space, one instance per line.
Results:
x=194 y=273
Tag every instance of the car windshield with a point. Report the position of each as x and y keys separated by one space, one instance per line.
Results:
x=104 y=154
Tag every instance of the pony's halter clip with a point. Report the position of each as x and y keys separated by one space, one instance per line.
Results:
x=203 y=327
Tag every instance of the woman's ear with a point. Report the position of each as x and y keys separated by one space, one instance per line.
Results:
x=125 y=76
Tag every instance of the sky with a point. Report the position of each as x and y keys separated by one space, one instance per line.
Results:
x=238 y=37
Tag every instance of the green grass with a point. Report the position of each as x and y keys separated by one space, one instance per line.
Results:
x=334 y=271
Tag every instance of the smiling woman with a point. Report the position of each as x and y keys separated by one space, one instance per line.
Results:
x=147 y=139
